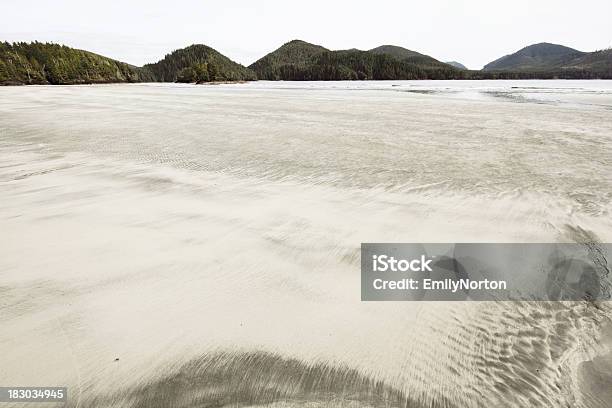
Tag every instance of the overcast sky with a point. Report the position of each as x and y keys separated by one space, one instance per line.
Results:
x=473 y=32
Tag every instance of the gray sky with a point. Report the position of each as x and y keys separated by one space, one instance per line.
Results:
x=473 y=32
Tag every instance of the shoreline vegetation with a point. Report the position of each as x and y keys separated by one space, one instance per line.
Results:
x=53 y=64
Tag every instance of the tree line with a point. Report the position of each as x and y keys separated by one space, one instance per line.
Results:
x=47 y=63
x=44 y=63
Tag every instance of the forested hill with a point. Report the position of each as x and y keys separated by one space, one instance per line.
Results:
x=288 y=60
x=546 y=60
x=542 y=56
x=366 y=65
x=410 y=56
x=456 y=64
x=298 y=61
x=198 y=63
x=598 y=62
x=42 y=63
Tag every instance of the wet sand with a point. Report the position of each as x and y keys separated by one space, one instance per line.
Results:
x=208 y=238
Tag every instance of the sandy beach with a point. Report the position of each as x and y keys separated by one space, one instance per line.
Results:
x=175 y=245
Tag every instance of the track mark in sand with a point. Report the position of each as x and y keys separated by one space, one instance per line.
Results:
x=258 y=378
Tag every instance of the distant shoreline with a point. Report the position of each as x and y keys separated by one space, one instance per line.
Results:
x=296 y=81
x=133 y=83
x=53 y=64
